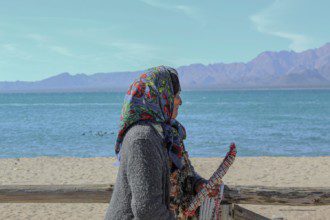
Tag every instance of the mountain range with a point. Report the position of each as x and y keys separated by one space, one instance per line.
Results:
x=310 y=68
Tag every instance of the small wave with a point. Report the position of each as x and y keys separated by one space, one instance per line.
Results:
x=98 y=133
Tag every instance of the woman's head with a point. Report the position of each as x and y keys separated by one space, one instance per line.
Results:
x=153 y=93
x=154 y=96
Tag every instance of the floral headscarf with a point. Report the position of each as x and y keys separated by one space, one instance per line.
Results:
x=151 y=98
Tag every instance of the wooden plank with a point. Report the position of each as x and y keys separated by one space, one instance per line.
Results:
x=56 y=193
x=236 y=212
x=226 y=212
x=240 y=213
x=101 y=194
x=292 y=196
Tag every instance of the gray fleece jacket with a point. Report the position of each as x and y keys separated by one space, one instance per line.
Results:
x=142 y=186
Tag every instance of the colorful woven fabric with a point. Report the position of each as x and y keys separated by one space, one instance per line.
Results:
x=182 y=181
x=215 y=179
x=151 y=98
x=182 y=187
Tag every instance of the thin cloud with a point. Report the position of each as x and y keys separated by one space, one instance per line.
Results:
x=37 y=37
x=132 y=51
x=185 y=9
x=299 y=42
x=61 y=50
x=266 y=22
x=12 y=50
x=45 y=42
x=136 y=54
x=9 y=47
x=131 y=47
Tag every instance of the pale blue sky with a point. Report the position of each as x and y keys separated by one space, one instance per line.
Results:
x=41 y=38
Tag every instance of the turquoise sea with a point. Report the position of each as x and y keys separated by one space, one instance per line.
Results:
x=261 y=122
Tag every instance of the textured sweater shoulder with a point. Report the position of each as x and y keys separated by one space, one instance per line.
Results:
x=142 y=185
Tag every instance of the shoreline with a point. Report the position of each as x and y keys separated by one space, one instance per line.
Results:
x=261 y=171
x=202 y=89
x=190 y=157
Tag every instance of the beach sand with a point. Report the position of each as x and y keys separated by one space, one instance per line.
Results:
x=263 y=171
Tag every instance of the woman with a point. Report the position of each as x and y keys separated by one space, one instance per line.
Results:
x=155 y=178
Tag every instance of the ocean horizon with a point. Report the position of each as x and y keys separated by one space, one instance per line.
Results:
x=262 y=122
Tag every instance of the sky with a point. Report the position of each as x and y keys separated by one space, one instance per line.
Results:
x=39 y=38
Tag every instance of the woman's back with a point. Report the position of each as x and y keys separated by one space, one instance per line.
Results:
x=142 y=185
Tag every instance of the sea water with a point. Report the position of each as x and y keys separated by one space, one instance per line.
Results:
x=260 y=122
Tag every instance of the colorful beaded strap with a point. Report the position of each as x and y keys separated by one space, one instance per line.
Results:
x=216 y=179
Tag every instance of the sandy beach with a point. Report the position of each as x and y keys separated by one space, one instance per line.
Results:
x=264 y=171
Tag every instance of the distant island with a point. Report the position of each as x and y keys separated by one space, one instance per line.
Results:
x=283 y=69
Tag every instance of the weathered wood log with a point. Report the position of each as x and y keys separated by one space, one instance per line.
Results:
x=240 y=213
x=101 y=193
x=292 y=196
x=226 y=212
x=236 y=212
